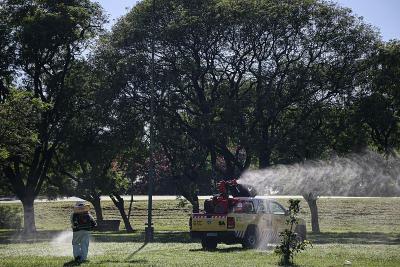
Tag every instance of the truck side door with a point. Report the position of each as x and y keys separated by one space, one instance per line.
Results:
x=278 y=216
x=265 y=216
x=245 y=213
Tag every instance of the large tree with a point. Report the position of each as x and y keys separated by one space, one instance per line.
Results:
x=19 y=114
x=6 y=54
x=379 y=105
x=234 y=73
x=185 y=161
x=254 y=82
x=47 y=37
x=101 y=137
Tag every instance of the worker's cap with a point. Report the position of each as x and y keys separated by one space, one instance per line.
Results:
x=81 y=206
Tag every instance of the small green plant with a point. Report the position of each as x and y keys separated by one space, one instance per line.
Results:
x=291 y=243
x=10 y=217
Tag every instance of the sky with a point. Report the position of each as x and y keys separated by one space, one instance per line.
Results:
x=383 y=14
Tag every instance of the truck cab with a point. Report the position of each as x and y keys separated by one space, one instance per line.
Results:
x=250 y=221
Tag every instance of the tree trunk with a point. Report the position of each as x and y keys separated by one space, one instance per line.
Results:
x=130 y=206
x=264 y=158
x=312 y=204
x=119 y=203
x=97 y=207
x=193 y=199
x=29 y=214
x=189 y=191
x=229 y=168
x=195 y=204
x=26 y=193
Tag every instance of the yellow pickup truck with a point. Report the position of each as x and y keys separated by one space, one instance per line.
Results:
x=250 y=222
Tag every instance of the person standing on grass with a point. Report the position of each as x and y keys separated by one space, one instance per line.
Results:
x=82 y=222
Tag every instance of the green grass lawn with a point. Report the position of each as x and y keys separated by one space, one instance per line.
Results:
x=363 y=231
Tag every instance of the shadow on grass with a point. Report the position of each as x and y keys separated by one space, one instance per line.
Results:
x=136 y=251
x=7 y=237
x=291 y=265
x=233 y=249
x=219 y=250
x=72 y=263
x=159 y=237
x=129 y=258
x=139 y=261
x=374 y=238
x=75 y=263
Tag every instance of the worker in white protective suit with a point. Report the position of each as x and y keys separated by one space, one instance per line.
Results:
x=82 y=222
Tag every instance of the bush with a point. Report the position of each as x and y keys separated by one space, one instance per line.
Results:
x=290 y=243
x=182 y=202
x=10 y=217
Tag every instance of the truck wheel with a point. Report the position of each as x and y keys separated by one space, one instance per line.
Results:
x=251 y=238
x=209 y=243
x=301 y=232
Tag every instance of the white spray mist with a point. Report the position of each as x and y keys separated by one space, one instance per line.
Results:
x=365 y=174
x=62 y=243
x=65 y=237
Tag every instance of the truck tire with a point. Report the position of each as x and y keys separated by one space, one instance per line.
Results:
x=209 y=243
x=251 y=238
x=301 y=232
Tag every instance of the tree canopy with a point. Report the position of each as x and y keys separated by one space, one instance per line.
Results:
x=241 y=77
x=45 y=37
x=238 y=85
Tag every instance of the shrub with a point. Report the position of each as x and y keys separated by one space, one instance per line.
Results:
x=290 y=243
x=182 y=202
x=10 y=217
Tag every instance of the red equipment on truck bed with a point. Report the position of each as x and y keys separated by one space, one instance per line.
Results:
x=222 y=203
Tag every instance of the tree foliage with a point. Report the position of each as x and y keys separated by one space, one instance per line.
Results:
x=238 y=85
x=241 y=78
x=46 y=37
x=379 y=107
